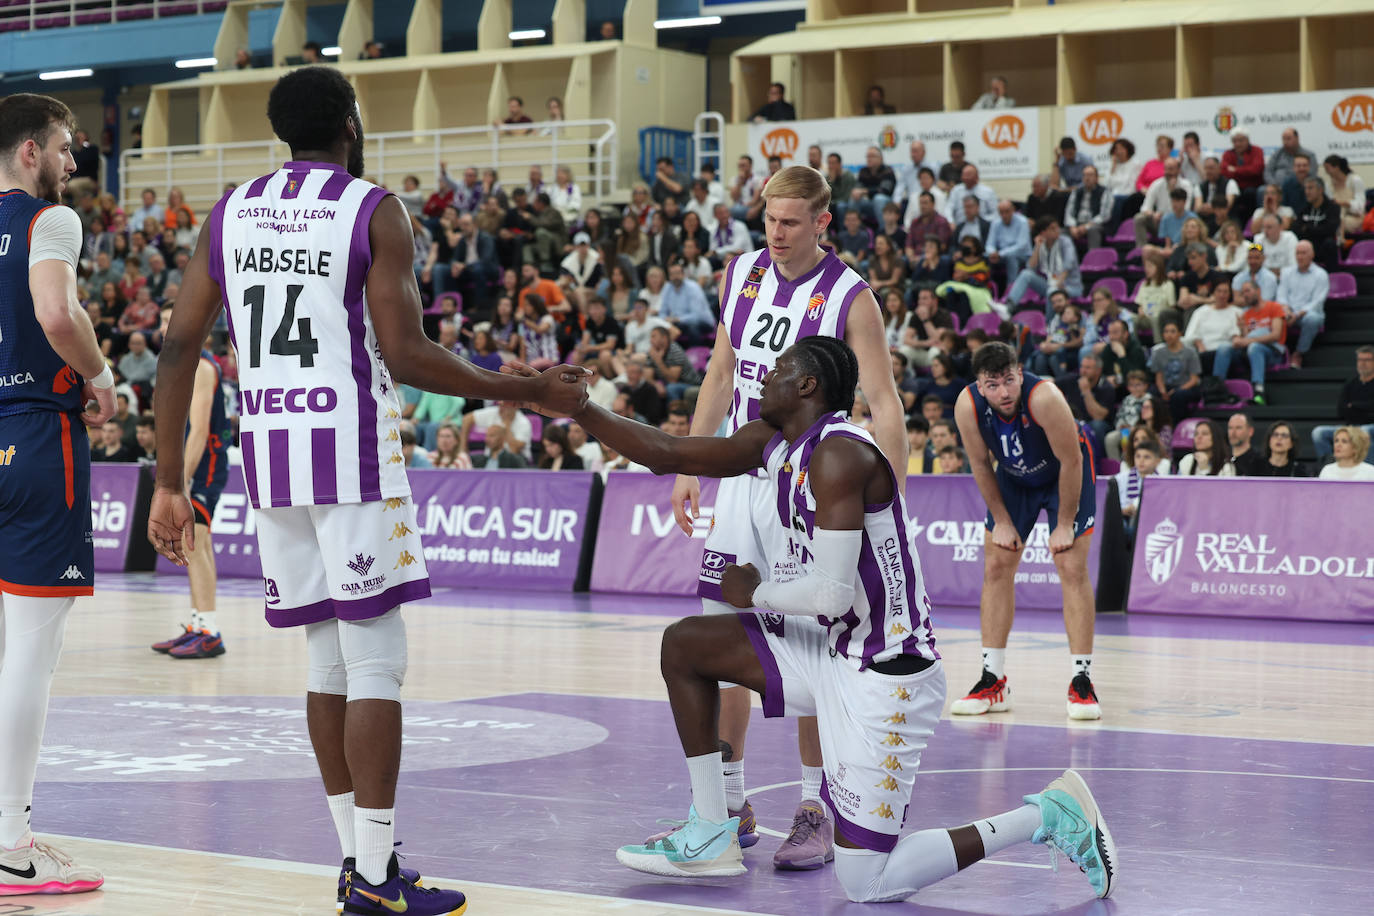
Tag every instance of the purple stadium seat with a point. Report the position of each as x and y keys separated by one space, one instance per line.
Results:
x=1099 y=259
x=1032 y=320
x=1124 y=233
x=1241 y=390
x=1342 y=286
x=988 y=321
x=1110 y=467
x=954 y=320
x=437 y=307
x=536 y=426
x=1183 y=434
x=1362 y=254
x=1114 y=285
x=698 y=357
x=1135 y=254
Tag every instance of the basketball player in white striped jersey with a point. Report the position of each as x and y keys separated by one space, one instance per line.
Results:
x=770 y=299
x=314 y=266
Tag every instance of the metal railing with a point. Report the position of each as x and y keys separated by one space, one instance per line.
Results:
x=46 y=14
x=202 y=171
x=708 y=141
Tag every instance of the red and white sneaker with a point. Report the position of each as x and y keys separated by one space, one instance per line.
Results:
x=990 y=694
x=37 y=868
x=1083 y=699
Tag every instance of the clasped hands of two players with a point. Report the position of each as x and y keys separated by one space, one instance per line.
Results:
x=1004 y=536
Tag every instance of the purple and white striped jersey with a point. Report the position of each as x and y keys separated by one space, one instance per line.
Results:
x=891 y=611
x=319 y=416
x=765 y=314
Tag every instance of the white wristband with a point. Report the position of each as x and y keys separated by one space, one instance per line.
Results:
x=104 y=380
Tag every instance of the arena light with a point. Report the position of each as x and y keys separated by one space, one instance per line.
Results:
x=333 y=51
x=192 y=63
x=686 y=23
x=527 y=34
x=66 y=74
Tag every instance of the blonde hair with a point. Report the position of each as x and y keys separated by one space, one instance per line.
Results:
x=799 y=181
x=1359 y=439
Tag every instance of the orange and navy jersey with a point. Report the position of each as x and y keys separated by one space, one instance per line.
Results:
x=32 y=376
x=213 y=470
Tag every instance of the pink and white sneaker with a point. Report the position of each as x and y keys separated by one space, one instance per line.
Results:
x=38 y=868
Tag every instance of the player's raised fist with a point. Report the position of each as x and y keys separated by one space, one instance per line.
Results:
x=737 y=584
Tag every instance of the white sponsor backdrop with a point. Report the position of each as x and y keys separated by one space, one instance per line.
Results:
x=1340 y=122
x=1004 y=144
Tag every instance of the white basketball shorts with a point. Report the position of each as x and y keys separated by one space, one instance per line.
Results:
x=352 y=562
x=873 y=726
x=745 y=528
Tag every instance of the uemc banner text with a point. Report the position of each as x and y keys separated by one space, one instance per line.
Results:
x=640 y=548
x=1282 y=556
x=480 y=529
x=1003 y=143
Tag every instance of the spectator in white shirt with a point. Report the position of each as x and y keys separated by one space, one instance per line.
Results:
x=1350 y=446
x=701 y=204
x=744 y=188
x=1271 y=202
x=971 y=187
x=925 y=183
x=638 y=327
x=566 y=196
x=1130 y=482
x=996 y=96
x=1280 y=246
x=696 y=266
x=908 y=180
x=729 y=238
x=581 y=270
x=1157 y=201
x=1213 y=325
x=715 y=191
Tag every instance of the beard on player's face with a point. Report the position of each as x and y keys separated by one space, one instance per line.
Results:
x=50 y=181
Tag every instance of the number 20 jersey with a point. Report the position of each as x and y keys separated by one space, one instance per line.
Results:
x=764 y=314
x=319 y=416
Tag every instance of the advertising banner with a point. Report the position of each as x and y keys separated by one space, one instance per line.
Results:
x=114 y=500
x=1340 y=122
x=481 y=529
x=1004 y=143
x=1277 y=558
x=640 y=549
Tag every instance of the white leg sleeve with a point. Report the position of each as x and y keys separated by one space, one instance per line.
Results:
x=327 y=671
x=33 y=630
x=374 y=652
x=918 y=860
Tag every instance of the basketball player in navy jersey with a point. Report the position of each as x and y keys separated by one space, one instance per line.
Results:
x=848 y=640
x=1023 y=424
x=324 y=258
x=771 y=298
x=208 y=435
x=50 y=367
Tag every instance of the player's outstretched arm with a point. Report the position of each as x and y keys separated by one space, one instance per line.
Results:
x=708 y=456
x=1052 y=411
x=393 y=299
x=170 y=520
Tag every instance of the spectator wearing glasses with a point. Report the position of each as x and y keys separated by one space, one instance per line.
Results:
x=1351 y=447
x=1355 y=406
x=1280 y=453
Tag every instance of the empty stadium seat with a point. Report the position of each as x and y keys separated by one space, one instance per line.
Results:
x=1342 y=286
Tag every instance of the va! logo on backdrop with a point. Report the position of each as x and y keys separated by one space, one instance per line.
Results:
x=1354 y=114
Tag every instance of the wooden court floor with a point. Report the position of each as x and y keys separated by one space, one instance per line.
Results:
x=541 y=740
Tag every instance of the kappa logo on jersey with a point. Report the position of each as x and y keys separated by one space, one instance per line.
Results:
x=271 y=592
x=897 y=630
x=750 y=292
x=6 y=456
x=405 y=559
x=72 y=573
x=901 y=693
x=401 y=530
x=65 y=380
x=894 y=740
x=884 y=810
x=393 y=502
x=891 y=763
x=391 y=414
x=897 y=718
x=814 y=306
x=393 y=436
x=396 y=458
x=888 y=783
x=756 y=274
x=360 y=564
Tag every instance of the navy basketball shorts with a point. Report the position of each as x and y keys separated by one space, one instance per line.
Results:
x=45 y=506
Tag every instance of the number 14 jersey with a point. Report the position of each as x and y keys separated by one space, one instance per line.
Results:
x=764 y=314
x=319 y=417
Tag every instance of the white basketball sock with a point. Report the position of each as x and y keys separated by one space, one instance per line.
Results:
x=374 y=833
x=995 y=660
x=208 y=621
x=14 y=826
x=811 y=782
x=733 y=771
x=1082 y=664
x=341 y=806
x=918 y=860
x=708 y=786
x=1003 y=830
